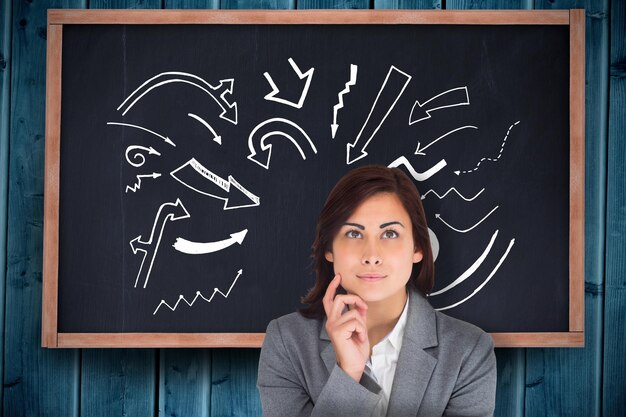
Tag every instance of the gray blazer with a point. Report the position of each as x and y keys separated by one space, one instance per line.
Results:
x=445 y=367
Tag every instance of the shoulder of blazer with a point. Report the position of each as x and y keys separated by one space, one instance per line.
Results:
x=457 y=334
x=296 y=329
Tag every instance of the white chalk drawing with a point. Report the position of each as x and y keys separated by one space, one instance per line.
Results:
x=199 y=295
x=138 y=156
x=189 y=171
x=480 y=287
x=420 y=151
x=434 y=243
x=451 y=98
x=217 y=93
x=165 y=138
x=490 y=159
x=394 y=85
x=465 y=275
x=438 y=216
x=277 y=127
x=418 y=176
x=201 y=248
x=448 y=192
x=137 y=185
x=216 y=138
x=271 y=96
x=167 y=212
x=334 y=126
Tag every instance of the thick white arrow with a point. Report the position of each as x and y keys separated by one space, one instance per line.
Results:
x=271 y=96
x=198 y=248
x=217 y=180
x=451 y=98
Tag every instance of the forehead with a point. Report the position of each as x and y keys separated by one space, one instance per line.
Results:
x=380 y=207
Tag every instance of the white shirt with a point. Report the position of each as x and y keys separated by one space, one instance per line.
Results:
x=383 y=361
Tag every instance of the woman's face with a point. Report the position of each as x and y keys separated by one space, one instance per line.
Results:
x=374 y=250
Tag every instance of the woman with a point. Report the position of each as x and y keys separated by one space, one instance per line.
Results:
x=369 y=343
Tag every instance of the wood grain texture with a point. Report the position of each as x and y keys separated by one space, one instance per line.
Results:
x=331 y=4
x=567 y=381
x=407 y=4
x=117 y=382
x=37 y=382
x=427 y=17
x=5 y=84
x=487 y=4
x=614 y=381
x=258 y=4
x=50 y=291
x=234 y=376
x=124 y=4
x=185 y=382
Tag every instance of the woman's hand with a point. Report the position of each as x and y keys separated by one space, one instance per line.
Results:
x=347 y=332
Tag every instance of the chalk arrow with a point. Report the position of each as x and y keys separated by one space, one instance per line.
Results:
x=451 y=98
x=187 y=174
x=420 y=151
x=216 y=138
x=272 y=95
x=198 y=248
x=138 y=155
x=276 y=127
x=438 y=216
x=388 y=95
x=217 y=93
x=167 y=212
x=165 y=138
x=490 y=159
x=334 y=126
x=137 y=185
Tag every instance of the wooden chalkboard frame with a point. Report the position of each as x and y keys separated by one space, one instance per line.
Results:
x=575 y=19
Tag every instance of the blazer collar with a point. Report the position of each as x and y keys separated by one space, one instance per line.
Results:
x=415 y=365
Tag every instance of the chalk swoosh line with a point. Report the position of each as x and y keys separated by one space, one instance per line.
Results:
x=480 y=287
x=418 y=176
x=438 y=216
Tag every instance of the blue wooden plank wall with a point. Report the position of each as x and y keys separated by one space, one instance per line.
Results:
x=221 y=382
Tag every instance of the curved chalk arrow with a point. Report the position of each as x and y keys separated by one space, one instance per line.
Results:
x=466 y=230
x=420 y=151
x=217 y=93
x=191 y=179
x=388 y=95
x=272 y=94
x=138 y=155
x=277 y=127
x=216 y=138
x=165 y=138
x=451 y=98
x=199 y=248
x=167 y=211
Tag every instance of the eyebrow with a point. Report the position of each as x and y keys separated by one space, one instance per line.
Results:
x=382 y=226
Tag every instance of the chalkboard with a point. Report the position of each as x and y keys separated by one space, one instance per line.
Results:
x=194 y=161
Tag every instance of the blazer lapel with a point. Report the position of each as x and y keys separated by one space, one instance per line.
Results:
x=415 y=365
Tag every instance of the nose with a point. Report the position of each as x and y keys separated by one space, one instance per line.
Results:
x=371 y=256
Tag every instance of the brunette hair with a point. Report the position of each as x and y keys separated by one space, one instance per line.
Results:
x=352 y=190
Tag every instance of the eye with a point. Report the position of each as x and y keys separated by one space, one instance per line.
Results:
x=352 y=233
x=390 y=234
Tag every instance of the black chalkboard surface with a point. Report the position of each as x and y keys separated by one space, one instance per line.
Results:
x=195 y=160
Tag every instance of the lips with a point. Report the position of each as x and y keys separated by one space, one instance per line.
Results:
x=371 y=277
